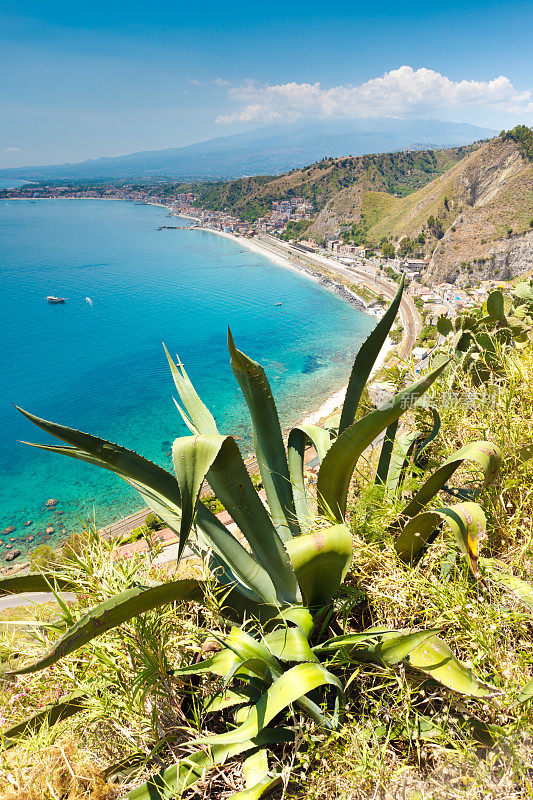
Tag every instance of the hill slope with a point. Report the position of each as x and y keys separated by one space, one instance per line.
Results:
x=399 y=173
x=270 y=150
x=476 y=219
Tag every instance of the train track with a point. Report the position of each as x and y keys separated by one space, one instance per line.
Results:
x=411 y=320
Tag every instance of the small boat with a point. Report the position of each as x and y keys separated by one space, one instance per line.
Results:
x=89 y=301
x=277 y=304
x=52 y=299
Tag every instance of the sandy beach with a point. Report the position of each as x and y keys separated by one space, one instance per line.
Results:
x=335 y=401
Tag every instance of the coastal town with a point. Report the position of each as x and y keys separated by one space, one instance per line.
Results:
x=442 y=299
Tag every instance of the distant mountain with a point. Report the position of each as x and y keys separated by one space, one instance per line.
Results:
x=270 y=150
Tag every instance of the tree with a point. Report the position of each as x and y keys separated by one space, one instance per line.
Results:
x=387 y=250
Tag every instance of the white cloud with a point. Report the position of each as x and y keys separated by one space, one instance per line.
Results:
x=399 y=92
x=12 y=149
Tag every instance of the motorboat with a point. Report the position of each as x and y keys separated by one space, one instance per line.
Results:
x=52 y=299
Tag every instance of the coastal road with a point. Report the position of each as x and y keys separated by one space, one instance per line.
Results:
x=360 y=273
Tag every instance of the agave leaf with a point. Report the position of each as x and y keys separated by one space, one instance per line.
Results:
x=526 y=693
x=229 y=479
x=268 y=440
x=365 y=360
x=386 y=453
x=290 y=644
x=289 y=687
x=51 y=714
x=246 y=647
x=230 y=699
x=298 y=437
x=401 y=453
x=486 y=454
x=339 y=464
x=35 y=582
x=435 y=658
x=218 y=664
x=172 y=781
x=321 y=560
x=128 y=465
x=376 y=644
x=110 y=614
x=192 y=457
x=466 y=521
x=259 y=780
x=197 y=413
x=522 y=589
x=300 y=616
x=161 y=492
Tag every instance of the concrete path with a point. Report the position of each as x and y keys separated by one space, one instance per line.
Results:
x=31 y=598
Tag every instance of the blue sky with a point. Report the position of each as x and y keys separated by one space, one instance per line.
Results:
x=82 y=81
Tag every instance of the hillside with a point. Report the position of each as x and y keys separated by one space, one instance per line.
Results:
x=474 y=220
x=393 y=173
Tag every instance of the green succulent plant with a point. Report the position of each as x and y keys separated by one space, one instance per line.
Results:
x=481 y=337
x=286 y=567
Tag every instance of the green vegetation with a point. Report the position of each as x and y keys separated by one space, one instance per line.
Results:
x=153 y=522
x=371 y=637
x=393 y=173
x=523 y=136
x=387 y=250
x=482 y=338
x=295 y=230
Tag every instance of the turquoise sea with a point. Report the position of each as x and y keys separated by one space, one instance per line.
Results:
x=101 y=367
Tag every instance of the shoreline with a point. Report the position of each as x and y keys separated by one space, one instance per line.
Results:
x=331 y=285
x=334 y=402
x=326 y=408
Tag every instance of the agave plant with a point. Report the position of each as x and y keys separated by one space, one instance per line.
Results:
x=281 y=572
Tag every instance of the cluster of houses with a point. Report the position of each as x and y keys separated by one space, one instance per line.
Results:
x=445 y=299
x=283 y=211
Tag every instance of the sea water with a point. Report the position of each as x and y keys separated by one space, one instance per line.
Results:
x=99 y=366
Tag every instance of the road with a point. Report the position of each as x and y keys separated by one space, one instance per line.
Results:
x=30 y=598
x=361 y=274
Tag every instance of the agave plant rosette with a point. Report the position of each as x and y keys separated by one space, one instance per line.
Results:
x=282 y=571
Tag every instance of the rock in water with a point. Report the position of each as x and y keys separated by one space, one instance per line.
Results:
x=51 y=503
x=28 y=522
x=12 y=556
x=50 y=529
x=7 y=530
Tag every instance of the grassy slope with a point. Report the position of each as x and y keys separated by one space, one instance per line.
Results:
x=397 y=173
x=511 y=196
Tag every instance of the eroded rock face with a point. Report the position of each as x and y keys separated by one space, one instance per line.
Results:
x=491 y=238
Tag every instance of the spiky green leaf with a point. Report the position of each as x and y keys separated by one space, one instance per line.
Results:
x=268 y=440
x=110 y=614
x=365 y=360
x=340 y=461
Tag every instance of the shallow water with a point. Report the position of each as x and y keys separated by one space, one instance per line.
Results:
x=101 y=367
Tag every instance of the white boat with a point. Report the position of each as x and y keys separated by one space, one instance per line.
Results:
x=52 y=299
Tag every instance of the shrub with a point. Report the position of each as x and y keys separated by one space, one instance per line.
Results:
x=153 y=522
x=43 y=557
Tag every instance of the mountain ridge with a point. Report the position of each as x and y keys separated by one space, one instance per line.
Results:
x=273 y=149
